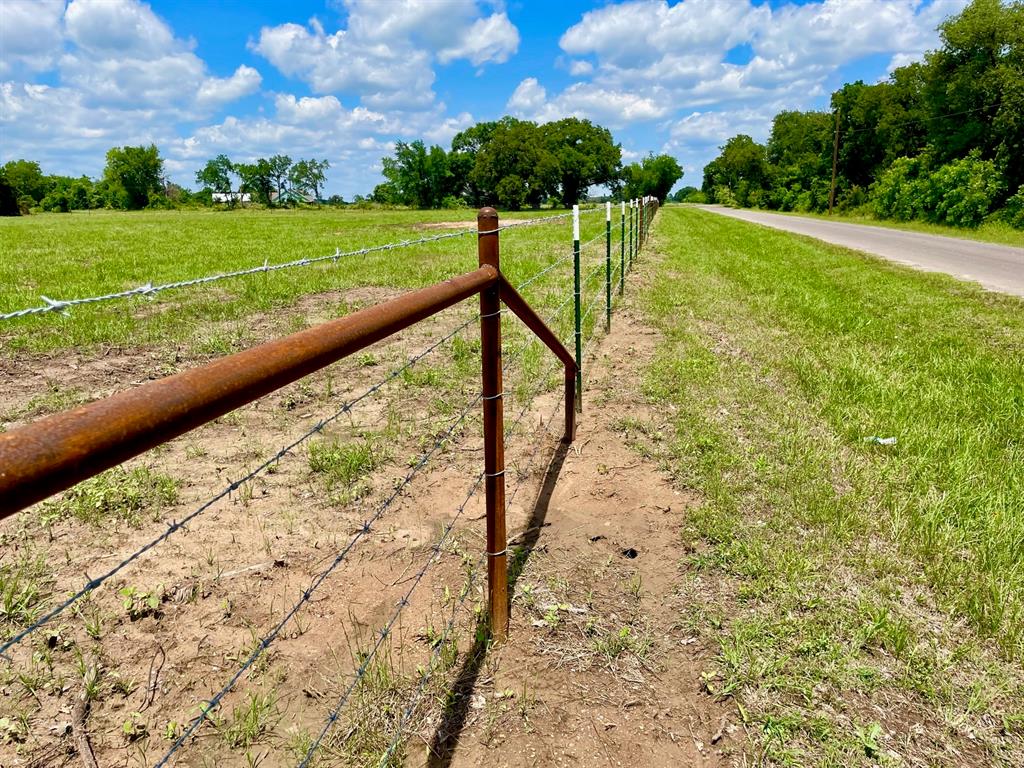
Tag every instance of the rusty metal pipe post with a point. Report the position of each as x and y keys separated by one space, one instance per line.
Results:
x=494 y=429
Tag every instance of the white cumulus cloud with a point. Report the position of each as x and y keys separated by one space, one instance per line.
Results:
x=30 y=33
x=386 y=52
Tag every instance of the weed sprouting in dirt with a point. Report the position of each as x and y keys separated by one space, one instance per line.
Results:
x=118 y=495
x=24 y=585
x=250 y=721
x=344 y=466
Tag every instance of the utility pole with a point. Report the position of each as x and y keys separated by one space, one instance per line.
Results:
x=835 y=160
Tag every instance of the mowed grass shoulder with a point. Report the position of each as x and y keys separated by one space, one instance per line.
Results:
x=65 y=256
x=850 y=584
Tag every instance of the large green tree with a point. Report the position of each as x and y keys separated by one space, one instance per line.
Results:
x=653 y=175
x=309 y=176
x=138 y=171
x=586 y=155
x=257 y=179
x=466 y=145
x=516 y=154
x=26 y=178
x=975 y=86
x=742 y=167
x=280 y=166
x=418 y=176
x=216 y=175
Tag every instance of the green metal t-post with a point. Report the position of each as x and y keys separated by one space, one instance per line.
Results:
x=631 y=236
x=608 y=266
x=642 y=210
x=578 y=308
x=622 y=250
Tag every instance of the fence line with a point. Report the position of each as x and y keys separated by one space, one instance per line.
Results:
x=230 y=488
x=429 y=669
x=430 y=665
x=270 y=637
x=382 y=635
x=94 y=583
x=638 y=232
x=149 y=290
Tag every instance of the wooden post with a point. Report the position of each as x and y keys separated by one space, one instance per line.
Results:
x=494 y=430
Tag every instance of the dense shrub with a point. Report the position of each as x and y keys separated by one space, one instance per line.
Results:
x=1013 y=213
x=961 y=193
x=724 y=196
x=899 y=192
x=56 y=201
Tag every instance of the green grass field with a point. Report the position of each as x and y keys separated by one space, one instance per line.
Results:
x=66 y=256
x=823 y=562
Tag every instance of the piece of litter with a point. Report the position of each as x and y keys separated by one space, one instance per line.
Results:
x=880 y=440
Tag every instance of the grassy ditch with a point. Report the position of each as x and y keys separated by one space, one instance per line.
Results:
x=867 y=595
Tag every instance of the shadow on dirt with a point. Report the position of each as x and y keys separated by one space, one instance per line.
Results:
x=449 y=730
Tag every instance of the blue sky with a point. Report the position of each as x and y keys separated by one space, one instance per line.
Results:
x=345 y=79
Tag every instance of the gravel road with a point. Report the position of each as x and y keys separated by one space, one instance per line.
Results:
x=996 y=267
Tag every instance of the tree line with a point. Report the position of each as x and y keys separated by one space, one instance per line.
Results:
x=133 y=179
x=507 y=163
x=267 y=181
x=514 y=164
x=940 y=140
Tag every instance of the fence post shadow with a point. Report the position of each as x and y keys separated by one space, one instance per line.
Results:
x=446 y=737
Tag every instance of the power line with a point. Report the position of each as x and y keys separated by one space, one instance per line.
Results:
x=930 y=118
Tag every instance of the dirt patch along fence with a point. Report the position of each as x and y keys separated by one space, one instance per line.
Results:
x=54 y=453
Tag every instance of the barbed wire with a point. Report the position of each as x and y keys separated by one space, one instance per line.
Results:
x=385 y=631
x=523 y=475
x=149 y=290
x=271 y=636
x=591 y=241
x=543 y=272
x=590 y=307
x=428 y=671
x=435 y=654
x=382 y=634
x=60 y=305
x=178 y=525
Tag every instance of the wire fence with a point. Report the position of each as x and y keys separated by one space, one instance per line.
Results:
x=514 y=357
x=149 y=290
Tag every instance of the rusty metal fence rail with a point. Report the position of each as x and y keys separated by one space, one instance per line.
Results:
x=56 y=452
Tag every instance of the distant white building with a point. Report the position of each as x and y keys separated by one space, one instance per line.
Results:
x=232 y=197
